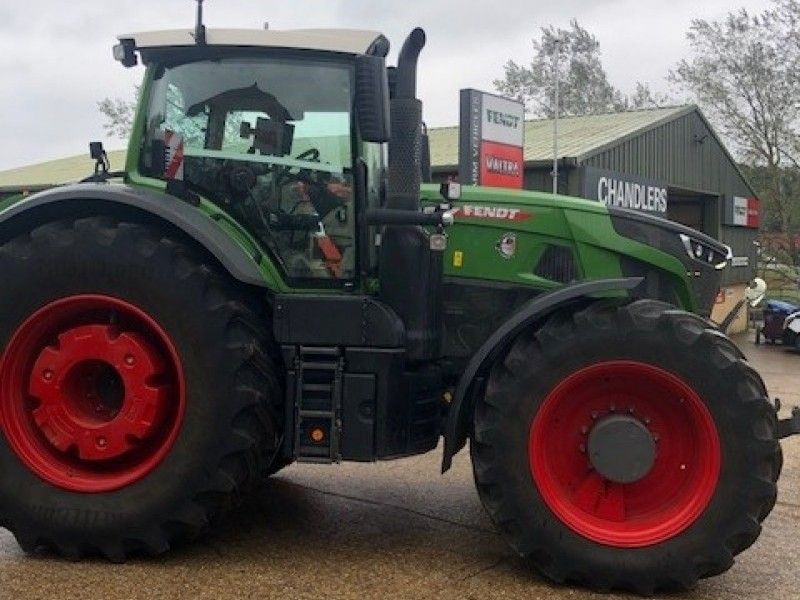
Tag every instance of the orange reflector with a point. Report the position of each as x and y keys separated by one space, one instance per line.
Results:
x=317 y=435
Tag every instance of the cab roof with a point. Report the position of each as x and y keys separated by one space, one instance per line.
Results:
x=346 y=41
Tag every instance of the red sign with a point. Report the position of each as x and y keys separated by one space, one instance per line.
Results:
x=754 y=213
x=491 y=142
x=745 y=212
x=173 y=143
x=502 y=166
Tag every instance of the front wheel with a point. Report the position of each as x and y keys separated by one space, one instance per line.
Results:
x=626 y=446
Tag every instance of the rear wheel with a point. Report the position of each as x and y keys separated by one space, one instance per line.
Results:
x=135 y=395
x=626 y=447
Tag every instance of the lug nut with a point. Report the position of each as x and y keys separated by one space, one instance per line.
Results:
x=130 y=360
x=102 y=442
x=48 y=375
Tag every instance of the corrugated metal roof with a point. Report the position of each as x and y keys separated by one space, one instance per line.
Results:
x=577 y=136
x=65 y=170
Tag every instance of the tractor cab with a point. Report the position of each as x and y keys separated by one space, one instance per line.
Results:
x=270 y=127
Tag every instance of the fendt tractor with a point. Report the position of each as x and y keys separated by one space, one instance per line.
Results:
x=272 y=278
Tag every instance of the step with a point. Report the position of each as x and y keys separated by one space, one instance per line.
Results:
x=316 y=414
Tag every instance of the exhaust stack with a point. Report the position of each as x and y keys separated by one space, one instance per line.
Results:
x=411 y=272
x=405 y=147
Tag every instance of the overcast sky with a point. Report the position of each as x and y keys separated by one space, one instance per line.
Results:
x=55 y=55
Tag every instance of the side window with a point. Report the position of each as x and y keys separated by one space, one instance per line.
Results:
x=270 y=142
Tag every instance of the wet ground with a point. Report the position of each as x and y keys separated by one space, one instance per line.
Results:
x=393 y=530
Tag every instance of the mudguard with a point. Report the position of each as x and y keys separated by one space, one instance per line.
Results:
x=460 y=414
x=189 y=219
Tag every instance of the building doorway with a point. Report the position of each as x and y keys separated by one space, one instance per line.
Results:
x=694 y=210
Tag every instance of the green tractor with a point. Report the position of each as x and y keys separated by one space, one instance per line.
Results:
x=269 y=281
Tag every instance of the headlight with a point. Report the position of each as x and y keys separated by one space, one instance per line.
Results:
x=704 y=253
x=789 y=319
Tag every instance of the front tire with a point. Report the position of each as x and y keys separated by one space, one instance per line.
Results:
x=682 y=388
x=136 y=395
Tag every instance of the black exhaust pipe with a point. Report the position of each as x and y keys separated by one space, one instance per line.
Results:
x=411 y=272
x=405 y=147
x=407 y=65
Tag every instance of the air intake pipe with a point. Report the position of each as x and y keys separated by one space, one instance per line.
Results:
x=411 y=272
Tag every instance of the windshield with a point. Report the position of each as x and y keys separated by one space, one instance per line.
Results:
x=270 y=141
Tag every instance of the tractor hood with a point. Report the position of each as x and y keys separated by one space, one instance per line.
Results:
x=501 y=207
x=681 y=265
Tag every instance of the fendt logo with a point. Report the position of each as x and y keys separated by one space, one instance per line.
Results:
x=504 y=119
x=501 y=213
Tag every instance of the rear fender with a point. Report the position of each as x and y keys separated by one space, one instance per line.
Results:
x=192 y=221
x=459 y=418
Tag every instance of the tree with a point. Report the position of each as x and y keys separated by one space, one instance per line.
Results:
x=644 y=97
x=584 y=85
x=119 y=115
x=743 y=72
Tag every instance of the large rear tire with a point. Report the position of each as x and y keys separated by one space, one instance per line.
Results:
x=546 y=450
x=137 y=396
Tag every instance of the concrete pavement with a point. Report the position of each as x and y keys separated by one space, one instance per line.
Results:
x=392 y=530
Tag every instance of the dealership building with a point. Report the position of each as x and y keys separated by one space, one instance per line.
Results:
x=667 y=161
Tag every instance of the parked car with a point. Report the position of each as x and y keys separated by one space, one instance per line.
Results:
x=775 y=315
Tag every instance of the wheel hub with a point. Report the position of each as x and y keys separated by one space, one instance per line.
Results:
x=92 y=393
x=622 y=449
x=625 y=453
x=97 y=391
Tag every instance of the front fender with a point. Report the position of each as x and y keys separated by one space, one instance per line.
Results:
x=191 y=220
x=460 y=414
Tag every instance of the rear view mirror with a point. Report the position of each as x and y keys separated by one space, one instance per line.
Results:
x=372 y=99
x=96 y=151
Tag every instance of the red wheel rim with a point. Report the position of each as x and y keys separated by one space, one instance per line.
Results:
x=669 y=498
x=92 y=393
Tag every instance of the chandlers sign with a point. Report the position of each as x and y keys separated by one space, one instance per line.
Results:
x=492 y=140
x=743 y=212
x=624 y=190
